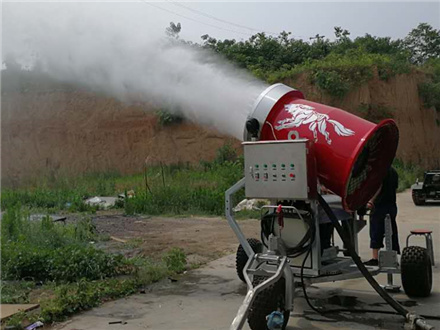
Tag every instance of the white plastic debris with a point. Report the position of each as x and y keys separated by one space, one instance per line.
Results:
x=35 y=325
x=249 y=204
x=102 y=202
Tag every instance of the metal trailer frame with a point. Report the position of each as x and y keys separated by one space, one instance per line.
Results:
x=276 y=264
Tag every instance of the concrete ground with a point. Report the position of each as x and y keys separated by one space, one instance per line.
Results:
x=208 y=298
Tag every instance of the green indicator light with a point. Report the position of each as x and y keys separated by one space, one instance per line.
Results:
x=282 y=165
x=256 y=166
x=273 y=165
x=265 y=165
x=292 y=165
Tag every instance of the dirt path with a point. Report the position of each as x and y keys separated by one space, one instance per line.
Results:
x=202 y=239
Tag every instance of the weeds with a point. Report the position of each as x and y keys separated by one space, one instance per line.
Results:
x=408 y=174
x=16 y=292
x=187 y=190
x=46 y=251
x=73 y=274
x=70 y=298
x=82 y=295
x=175 y=259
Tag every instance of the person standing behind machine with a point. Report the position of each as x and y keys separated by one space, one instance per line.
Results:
x=383 y=203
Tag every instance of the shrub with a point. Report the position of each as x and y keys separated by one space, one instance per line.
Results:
x=375 y=112
x=429 y=90
x=225 y=153
x=338 y=73
x=430 y=94
x=67 y=264
x=389 y=66
x=332 y=82
x=166 y=118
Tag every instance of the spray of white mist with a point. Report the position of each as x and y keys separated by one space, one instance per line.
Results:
x=121 y=50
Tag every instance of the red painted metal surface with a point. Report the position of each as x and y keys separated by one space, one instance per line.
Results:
x=352 y=154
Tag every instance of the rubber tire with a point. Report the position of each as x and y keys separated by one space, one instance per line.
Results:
x=417 y=200
x=241 y=257
x=266 y=302
x=416 y=271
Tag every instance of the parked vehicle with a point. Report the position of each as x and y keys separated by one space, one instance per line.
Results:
x=429 y=189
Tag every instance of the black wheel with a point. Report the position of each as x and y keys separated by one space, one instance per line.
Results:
x=267 y=301
x=416 y=271
x=417 y=199
x=242 y=258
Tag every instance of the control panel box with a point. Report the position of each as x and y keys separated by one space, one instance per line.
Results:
x=280 y=169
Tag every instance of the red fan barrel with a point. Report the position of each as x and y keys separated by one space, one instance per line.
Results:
x=352 y=154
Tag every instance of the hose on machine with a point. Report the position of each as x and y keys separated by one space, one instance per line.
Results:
x=400 y=310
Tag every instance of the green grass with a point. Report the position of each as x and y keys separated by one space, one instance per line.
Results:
x=63 y=193
x=16 y=292
x=174 y=189
x=58 y=301
x=56 y=266
x=175 y=260
x=168 y=190
x=46 y=251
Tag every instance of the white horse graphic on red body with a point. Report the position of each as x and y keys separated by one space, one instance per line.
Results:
x=304 y=114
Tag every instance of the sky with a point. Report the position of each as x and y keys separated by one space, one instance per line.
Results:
x=303 y=19
x=239 y=20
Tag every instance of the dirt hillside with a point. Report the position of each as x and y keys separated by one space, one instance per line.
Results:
x=64 y=131
x=68 y=132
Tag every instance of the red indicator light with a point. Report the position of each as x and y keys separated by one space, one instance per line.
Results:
x=292 y=175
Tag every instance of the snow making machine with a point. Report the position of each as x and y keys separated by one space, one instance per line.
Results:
x=295 y=150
